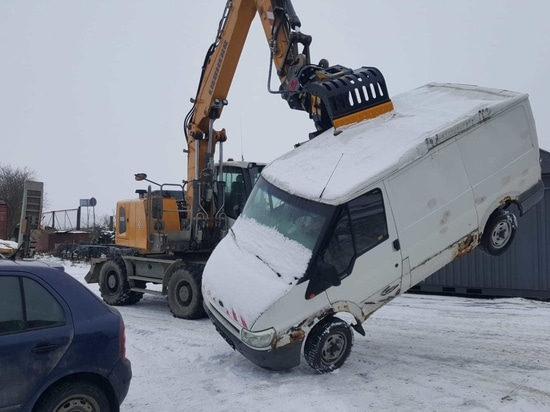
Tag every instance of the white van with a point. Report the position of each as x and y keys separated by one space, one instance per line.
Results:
x=355 y=217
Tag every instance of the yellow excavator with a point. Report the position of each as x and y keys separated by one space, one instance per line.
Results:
x=164 y=236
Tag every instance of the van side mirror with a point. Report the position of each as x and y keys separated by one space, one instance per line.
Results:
x=328 y=274
x=324 y=276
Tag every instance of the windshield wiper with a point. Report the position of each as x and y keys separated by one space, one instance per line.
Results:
x=269 y=266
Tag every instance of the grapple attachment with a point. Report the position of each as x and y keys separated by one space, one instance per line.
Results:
x=337 y=96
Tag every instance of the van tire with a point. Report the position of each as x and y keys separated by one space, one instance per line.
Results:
x=114 y=286
x=499 y=233
x=328 y=345
x=184 y=293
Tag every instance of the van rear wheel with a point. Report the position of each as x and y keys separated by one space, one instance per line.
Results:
x=328 y=345
x=499 y=233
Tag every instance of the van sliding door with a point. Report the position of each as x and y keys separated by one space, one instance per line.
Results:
x=433 y=207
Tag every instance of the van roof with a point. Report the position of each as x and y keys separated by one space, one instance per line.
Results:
x=338 y=164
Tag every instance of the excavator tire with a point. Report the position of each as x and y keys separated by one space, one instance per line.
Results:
x=184 y=292
x=114 y=286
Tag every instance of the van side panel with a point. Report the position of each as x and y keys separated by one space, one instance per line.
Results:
x=433 y=207
x=501 y=158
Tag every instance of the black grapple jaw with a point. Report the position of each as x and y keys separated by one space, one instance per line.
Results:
x=337 y=96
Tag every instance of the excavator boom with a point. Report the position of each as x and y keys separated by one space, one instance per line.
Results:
x=279 y=23
x=332 y=96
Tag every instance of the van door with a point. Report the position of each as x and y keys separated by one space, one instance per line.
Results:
x=433 y=207
x=500 y=157
x=365 y=250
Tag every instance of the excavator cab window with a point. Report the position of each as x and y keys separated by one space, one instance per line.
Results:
x=157 y=207
x=121 y=219
x=239 y=182
x=235 y=191
x=255 y=173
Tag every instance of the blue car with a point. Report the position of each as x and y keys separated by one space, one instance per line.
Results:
x=61 y=347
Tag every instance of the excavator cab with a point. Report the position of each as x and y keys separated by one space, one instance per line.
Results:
x=158 y=221
x=239 y=179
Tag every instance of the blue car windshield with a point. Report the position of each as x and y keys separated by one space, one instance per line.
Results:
x=294 y=217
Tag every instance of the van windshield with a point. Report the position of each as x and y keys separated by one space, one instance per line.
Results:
x=294 y=217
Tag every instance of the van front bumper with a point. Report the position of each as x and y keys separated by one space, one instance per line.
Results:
x=283 y=358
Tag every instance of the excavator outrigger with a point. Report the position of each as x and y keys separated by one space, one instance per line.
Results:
x=165 y=236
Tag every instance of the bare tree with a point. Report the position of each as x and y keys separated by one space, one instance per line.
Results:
x=12 y=186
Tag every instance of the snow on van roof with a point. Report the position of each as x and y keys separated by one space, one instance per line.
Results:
x=335 y=166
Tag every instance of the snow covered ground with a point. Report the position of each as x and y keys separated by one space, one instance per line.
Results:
x=421 y=353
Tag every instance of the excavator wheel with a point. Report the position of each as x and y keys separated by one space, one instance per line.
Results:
x=114 y=286
x=184 y=292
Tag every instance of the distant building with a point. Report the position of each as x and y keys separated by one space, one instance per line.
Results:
x=522 y=271
x=49 y=241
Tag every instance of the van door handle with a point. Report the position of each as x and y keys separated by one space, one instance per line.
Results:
x=396 y=245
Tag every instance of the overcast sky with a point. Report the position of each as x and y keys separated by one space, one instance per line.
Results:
x=92 y=92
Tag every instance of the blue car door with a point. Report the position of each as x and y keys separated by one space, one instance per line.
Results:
x=36 y=329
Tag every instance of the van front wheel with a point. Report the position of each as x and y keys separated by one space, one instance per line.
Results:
x=499 y=233
x=328 y=345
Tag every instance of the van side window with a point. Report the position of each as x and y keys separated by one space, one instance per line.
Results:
x=340 y=250
x=368 y=220
x=360 y=227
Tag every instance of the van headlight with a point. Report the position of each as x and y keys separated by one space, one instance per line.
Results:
x=260 y=339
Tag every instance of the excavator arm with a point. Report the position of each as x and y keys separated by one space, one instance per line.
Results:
x=333 y=96
x=280 y=25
